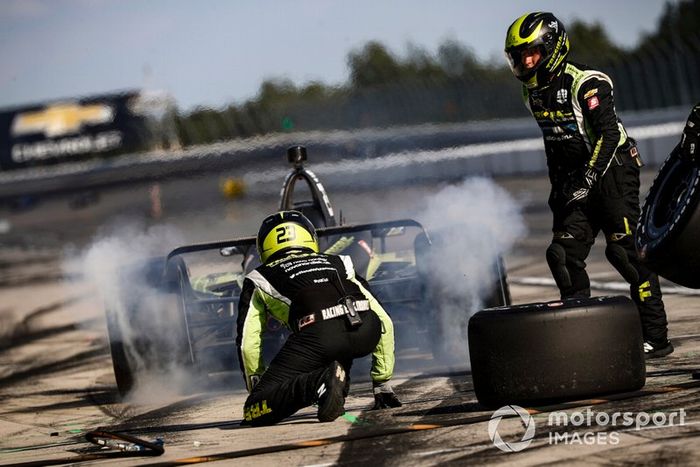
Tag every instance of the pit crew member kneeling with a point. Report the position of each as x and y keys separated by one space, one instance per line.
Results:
x=333 y=316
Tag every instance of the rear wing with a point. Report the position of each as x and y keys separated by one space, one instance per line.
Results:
x=379 y=230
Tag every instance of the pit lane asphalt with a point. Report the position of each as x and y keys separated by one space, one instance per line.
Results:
x=56 y=379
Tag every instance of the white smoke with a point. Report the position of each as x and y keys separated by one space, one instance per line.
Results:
x=124 y=246
x=113 y=263
x=472 y=225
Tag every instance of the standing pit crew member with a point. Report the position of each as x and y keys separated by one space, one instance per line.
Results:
x=593 y=168
x=333 y=316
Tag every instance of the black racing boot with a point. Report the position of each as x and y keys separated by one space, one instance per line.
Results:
x=331 y=401
x=656 y=350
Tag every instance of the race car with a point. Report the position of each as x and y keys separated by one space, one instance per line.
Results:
x=179 y=312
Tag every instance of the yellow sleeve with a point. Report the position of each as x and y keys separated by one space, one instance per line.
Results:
x=383 y=355
x=254 y=324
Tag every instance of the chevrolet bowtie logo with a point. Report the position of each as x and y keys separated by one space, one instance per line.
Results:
x=61 y=119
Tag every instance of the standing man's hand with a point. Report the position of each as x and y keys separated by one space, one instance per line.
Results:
x=580 y=189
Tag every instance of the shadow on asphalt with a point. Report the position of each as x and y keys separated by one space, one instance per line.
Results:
x=381 y=450
x=46 y=369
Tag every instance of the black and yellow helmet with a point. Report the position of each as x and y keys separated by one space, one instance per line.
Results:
x=283 y=231
x=543 y=32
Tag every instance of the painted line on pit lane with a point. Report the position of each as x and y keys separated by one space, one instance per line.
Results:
x=657 y=427
x=420 y=427
x=368 y=434
x=612 y=286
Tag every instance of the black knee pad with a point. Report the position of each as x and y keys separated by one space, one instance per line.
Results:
x=556 y=259
x=619 y=258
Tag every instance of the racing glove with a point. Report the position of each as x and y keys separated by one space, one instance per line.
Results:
x=690 y=139
x=384 y=396
x=578 y=192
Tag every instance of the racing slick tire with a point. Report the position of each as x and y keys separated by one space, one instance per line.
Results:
x=669 y=225
x=565 y=350
x=145 y=324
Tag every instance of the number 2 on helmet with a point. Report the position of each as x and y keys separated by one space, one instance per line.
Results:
x=286 y=233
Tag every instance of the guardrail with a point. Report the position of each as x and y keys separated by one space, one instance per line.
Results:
x=411 y=154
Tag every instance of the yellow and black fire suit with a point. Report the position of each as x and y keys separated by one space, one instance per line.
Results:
x=305 y=292
x=594 y=171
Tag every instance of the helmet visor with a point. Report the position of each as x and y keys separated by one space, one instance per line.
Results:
x=524 y=61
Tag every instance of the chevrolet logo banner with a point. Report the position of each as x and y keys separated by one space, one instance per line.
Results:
x=61 y=119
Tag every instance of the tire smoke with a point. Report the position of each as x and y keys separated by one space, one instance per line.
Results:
x=125 y=266
x=472 y=226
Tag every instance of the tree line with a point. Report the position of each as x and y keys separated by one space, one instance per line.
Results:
x=453 y=85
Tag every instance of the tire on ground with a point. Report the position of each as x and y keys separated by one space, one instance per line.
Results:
x=146 y=326
x=669 y=225
x=544 y=352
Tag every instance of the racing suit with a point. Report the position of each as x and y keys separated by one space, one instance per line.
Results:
x=305 y=292
x=594 y=172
